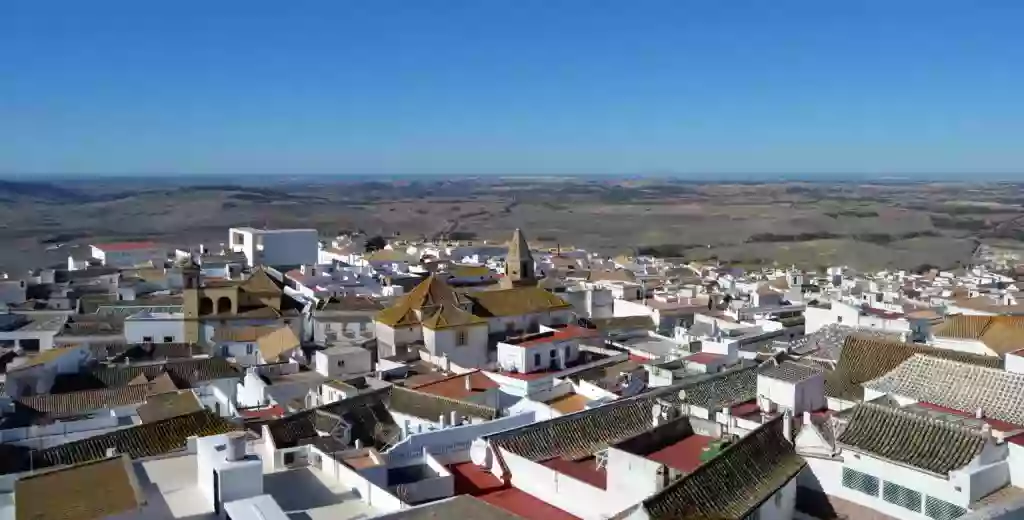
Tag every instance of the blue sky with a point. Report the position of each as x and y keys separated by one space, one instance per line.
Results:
x=511 y=86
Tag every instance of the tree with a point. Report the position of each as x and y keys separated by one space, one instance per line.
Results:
x=375 y=243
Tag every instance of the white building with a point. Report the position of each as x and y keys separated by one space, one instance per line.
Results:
x=275 y=246
x=155 y=327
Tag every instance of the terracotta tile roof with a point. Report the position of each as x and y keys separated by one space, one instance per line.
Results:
x=61 y=406
x=580 y=434
x=241 y=334
x=734 y=482
x=449 y=316
x=516 y=302
x=1002 y=334
x=455 y=386
x=430 y=407
x=914 y=439
x=569 y=403
x=145 y=440
x=167 y=405
x=278 y=343
x=789 y=371
x=864 y=359
x=827 y=342
x=722 y=390
x=960 y=386
x=366 y=414
x=89 y=491
x=184 y=373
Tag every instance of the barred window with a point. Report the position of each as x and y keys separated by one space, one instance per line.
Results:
x=942 y=510
x=904 y=497
x=862 y=482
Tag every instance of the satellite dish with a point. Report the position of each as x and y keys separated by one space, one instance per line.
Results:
x=682 y=395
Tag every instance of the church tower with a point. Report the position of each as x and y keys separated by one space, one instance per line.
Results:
x=519 y=266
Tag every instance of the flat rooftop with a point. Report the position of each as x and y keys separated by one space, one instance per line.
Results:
x=656 y=347
x=471 y=480
x=307 y=493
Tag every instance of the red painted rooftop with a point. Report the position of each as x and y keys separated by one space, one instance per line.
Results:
x=126 y=246
x=584 y=470
x=565 y=333
x=455 y=386
x=996 y=424
x=471 y=480
x=269 y=412
x=683 y=455
x=704 y=358
x=745 y=409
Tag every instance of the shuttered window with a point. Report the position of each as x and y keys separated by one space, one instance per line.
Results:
x=942 y=510
x=904 y=497
x=862 y=482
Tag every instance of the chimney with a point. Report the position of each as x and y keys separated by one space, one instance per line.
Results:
x=442 y=420
x=807 y=418
x=469 y=384
x=454 y=419
x=112 y=452
x=656 y=415
x=359 y=444
x=979 y=414
x=236 y=446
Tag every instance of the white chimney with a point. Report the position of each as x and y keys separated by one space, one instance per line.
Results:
x=359 y=444
x=112 y=452
x=979 y=414
x=442 y=420
x=469 y=384
x=235 y=446
x=656 y=415
x=454 y=418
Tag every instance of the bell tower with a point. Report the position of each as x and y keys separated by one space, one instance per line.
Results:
x=519 y=265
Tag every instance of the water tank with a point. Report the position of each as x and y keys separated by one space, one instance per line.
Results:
x=236 y=446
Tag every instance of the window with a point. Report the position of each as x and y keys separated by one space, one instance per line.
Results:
x=942 y=510
x=510 y=326
x=168 y=339
x=248 y=348
x=567 y=352
x=554 y=353
x=341 y=362
x=460 y=337
x=904 y=497
x=147 y=339
x=862 y=482
x=536 y=359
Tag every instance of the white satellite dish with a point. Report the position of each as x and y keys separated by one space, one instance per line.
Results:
x=682 y=395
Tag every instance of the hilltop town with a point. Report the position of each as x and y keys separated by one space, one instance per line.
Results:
x=279 y=375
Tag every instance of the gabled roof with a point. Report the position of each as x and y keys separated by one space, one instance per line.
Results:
x=185 y=373
x=272 y=346
x=1001 y=334
x=917 y=440
x=366 y=414
x=449 y=316
x=59 y=406
x=734 y=482
x=722 y=390
x=89 y=491
x=431 y=407
x=960 y=386
x=397 y=316
x=516 y=302
x=431 y=294
x=259 y=282
x=145 y=440
x=168 y=405
x=579 y=434
x=864 y=359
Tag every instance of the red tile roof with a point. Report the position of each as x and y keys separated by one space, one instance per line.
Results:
x=745 y=409
x=471 y=480
x=565 y=333
x=704 y=358
x=270 y=412
x=683 y=455
x=126 y=246
x=455 y=386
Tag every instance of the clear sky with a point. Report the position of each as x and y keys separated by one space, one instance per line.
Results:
x=511 y=86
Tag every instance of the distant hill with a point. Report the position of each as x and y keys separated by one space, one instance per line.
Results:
x=17 y=191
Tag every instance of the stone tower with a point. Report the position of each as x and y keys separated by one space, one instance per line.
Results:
x=519 y=267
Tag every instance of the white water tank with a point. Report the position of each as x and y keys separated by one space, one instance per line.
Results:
x=236 y=446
